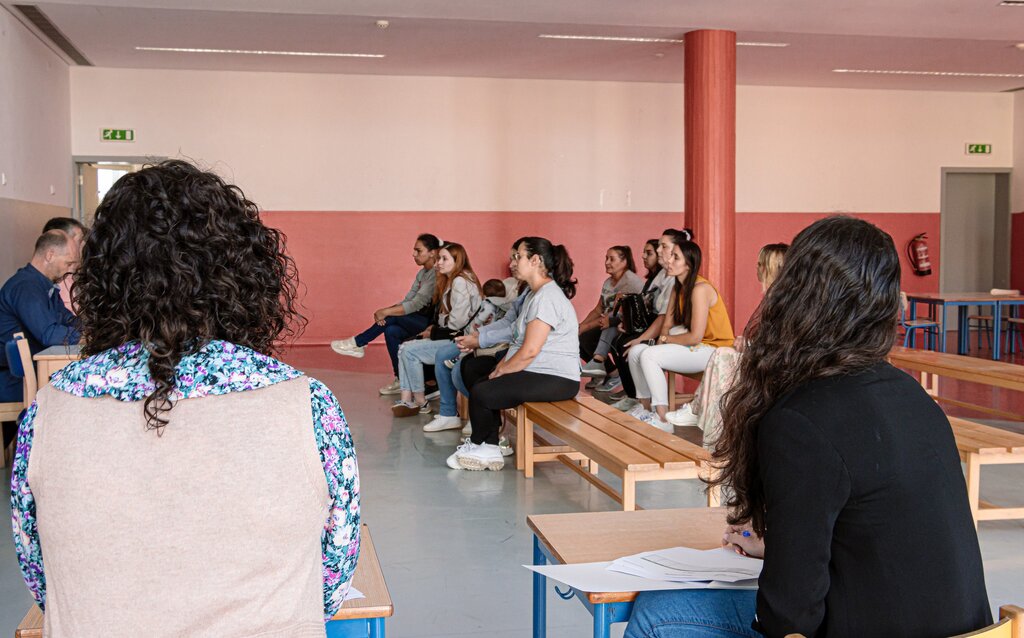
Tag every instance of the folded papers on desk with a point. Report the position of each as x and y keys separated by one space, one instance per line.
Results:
x=675 y=568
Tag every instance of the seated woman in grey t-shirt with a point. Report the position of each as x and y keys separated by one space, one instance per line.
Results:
x=543 y=360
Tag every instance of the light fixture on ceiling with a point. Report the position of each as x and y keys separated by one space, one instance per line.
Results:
x=955 y=74
x=1012 y=3
x=623 y=38
x=310 y=54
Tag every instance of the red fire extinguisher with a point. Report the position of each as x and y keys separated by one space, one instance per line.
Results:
x=917 y=252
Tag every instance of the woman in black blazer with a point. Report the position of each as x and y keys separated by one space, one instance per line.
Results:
x=841 y=470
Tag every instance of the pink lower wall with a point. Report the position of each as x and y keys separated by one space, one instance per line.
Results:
x=1017 y=251
x=351 y=263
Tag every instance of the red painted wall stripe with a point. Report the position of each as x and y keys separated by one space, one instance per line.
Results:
x=351 y=263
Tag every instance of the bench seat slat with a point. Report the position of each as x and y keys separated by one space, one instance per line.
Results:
x=1013 y=442
x=588 y=440
x=679 y=446
x=661 y=455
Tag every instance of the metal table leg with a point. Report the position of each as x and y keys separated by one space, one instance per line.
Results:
x=540 y=600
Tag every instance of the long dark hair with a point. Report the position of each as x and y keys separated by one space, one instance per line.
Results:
x=682 y=292
x=430 y=242
x=556 y=262
x=832 y=311
x=653 y=272
x=626 y=253
x=175 y=259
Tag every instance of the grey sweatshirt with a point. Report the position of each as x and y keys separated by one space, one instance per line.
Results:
x=422 y=291
x=465 y=299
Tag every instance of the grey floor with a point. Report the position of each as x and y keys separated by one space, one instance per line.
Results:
x=452 y=543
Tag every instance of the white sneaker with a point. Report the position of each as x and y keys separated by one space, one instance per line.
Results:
x=638 y=411
x=611 y=384
x=593 y=369
x=505 y=446
x=355 y=351
x=344 y=344
x=391 y=388
x=480 y=457
x=683 y=416
x=652 y=418
x=467 y=430
x=625 y=405
x=436 y=394
x=441 y=423
x=453 y=459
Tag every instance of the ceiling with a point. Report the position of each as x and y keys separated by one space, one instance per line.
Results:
x=498 y=38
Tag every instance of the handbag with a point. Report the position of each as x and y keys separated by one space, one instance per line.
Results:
x=636 y=316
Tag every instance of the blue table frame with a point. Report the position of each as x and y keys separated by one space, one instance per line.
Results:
x=356 y=628
x=604 y=613
x=962 y=301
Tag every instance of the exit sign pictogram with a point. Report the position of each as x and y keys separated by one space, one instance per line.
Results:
x=117 y=135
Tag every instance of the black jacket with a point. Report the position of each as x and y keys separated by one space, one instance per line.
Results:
x=869 y=532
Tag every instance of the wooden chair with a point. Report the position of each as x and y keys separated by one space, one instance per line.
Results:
x=1010 y=625
x=983 y=324
x=1014 y=333
x=675 y=400
x=19 y=358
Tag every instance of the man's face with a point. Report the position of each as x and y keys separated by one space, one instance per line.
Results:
x=61 y=261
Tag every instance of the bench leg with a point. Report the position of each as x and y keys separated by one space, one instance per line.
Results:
x=593 y=467
x=463 y=406
x=671 y=391
x=527 y=446
x=628 y=492
x=974 y=485
x=520 y=438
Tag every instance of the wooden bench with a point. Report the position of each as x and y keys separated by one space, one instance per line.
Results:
x=980 y=445
x=597 y=435
x=932 y=365
x=362 y=617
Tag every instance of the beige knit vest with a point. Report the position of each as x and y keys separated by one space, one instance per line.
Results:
x=212 y=529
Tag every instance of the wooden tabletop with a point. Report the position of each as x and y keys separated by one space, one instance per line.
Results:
x=590 y=537
x=954 y=366
x=367 y=579
x=59 y=352
x=961 y=297
x=370 y=580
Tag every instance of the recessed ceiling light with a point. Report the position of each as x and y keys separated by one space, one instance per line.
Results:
x=311 y=54
x=1012 y=3
x=955 y=74
x=621 y=38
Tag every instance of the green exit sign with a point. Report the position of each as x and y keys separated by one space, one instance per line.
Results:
x=979 y=149
x=117 y=135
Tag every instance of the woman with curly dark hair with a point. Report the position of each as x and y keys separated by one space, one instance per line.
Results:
x=842 y=473
x=179 y=479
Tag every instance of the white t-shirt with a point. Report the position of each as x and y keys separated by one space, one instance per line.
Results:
x=560 y=354
x=629 y=282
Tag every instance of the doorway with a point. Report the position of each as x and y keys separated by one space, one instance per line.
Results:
x=95 y=175
x=975 y=236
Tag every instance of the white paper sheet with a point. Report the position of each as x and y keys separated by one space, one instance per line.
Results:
x=595 y=577
x=354 y=594
x=684 y=564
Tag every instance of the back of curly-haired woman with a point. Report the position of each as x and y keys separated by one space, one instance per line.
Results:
x=179 y=480
x=843 y=473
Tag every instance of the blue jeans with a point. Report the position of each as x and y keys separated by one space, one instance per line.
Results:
x=412 y=355
x=449 y=381
x=693 y=613
x=395 y=331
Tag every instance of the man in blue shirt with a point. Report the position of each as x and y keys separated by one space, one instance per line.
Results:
x=30 y=302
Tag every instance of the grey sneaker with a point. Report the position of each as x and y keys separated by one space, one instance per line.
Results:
x=594 y=369
x=610 y=384
x=626 y=404
x=391 y=388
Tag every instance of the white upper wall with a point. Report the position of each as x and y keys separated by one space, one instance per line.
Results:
x=35 y=118
x=330 y=142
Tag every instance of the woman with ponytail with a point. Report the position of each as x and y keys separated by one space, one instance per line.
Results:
x=840 y=470
x=542 y=363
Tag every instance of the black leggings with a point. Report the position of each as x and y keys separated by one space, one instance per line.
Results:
x=477 y=368
x=618 y=355
x=491 y=396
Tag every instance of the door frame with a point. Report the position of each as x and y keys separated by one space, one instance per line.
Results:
x=76 y=185
x=1001 y=198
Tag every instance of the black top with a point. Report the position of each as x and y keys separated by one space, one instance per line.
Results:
x=868 y=529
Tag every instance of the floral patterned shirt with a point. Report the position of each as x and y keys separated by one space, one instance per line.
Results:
x=218 y=368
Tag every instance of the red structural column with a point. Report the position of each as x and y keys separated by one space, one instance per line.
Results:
x=710 y=127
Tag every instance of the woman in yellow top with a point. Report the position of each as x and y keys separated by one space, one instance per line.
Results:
x=695 y=325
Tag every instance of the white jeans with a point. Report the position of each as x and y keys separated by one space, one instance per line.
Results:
x=649 y=363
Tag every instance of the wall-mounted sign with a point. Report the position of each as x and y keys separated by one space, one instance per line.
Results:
x=979 y=149
x=117 y=135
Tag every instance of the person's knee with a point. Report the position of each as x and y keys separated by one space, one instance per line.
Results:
x=649 y=357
